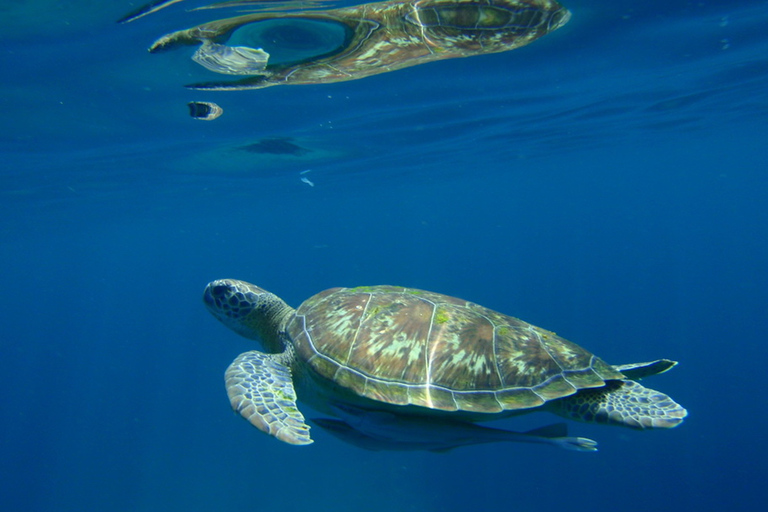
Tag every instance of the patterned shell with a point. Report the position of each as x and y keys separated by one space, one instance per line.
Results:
x=405 y=346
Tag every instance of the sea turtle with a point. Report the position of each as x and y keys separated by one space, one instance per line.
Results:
x=365 y=39
x=409 y=351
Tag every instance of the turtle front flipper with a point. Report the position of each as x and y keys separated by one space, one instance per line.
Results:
x=622 y=402
x=260 y=389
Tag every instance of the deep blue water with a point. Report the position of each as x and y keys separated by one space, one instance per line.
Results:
x=607 y=182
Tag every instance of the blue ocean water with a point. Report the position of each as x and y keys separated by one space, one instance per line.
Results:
x=607 y=182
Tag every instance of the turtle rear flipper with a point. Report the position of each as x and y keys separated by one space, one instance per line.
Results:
x=622 y=402
x=260 y=389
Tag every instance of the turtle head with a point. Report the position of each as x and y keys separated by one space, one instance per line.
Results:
x=248 y=310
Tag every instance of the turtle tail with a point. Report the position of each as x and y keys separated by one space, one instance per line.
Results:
x=622 y=402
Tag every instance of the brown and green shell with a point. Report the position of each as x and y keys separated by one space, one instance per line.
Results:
x=411 y=347
x=387 y=36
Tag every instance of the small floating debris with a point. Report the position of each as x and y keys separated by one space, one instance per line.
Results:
x=304 y=179
x=204 y=110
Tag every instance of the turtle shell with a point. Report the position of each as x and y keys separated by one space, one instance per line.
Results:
x=411 y=347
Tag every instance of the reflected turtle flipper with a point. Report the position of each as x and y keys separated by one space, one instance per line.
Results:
x=252 y=82
x=231 y=60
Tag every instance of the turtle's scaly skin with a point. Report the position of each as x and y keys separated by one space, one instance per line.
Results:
x=386 y=36
x=404 y=346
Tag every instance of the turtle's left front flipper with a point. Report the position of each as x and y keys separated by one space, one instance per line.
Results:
x=622 y=402
x=260 y=389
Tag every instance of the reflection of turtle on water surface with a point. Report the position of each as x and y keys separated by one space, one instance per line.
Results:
x=417 y=354
x=369 y=39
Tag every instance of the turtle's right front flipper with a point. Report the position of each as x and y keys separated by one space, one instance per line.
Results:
x=260 y=389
